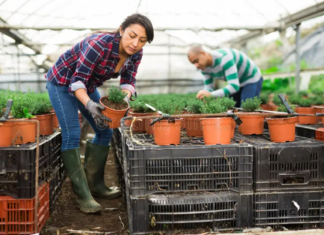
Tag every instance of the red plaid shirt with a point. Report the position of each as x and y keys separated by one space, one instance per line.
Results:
x=93 y=61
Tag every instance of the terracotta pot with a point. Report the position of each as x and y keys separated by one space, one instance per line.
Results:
x=113 y=114
x=167 y=132
x=319 y=110
x=23 y=132
x=45 y=124
x=193 y=127
x=138 y=125
x=56 y=123
x=251 y=125
x=270 y=107
x=183 y=124
x=233 y=128
x=217 y=130
x=282 y=129
x=80 y=118
x=150 y=129
x=6 y=134
x=306 y=120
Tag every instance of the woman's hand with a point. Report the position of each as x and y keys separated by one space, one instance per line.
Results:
x=95 y=110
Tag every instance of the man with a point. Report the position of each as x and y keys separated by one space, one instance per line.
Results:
x=244 y=79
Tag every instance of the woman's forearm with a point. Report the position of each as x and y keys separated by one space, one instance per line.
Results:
x=82 y=96
x=129 y=93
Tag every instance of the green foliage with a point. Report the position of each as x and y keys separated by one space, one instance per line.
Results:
x=276 y=100
x=294 y=99
x=22 y=105
x=116 y=95
x=3 y=103
x=166 y=106
x=317 y=100
x=194 y=106
x=250 y=105
x=227 y=102
x=213 y=107
x=316 y=83
x=139 y=107
x=282 y=108
x=318 y=92
x=303 y=93
x=305 y=102
x=264 y=98
x=40 y=105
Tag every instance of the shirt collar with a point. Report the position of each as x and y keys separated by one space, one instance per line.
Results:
x=115 y=48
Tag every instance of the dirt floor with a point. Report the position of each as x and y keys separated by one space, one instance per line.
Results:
x=67 y=216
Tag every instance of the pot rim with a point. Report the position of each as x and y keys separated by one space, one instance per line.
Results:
x=128 y=106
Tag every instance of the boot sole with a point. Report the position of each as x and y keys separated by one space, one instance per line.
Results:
x=106 y=197
x=89 y=211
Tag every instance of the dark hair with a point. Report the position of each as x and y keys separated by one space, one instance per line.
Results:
x=142 y=20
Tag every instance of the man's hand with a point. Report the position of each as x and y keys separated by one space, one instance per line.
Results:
x=202 y=93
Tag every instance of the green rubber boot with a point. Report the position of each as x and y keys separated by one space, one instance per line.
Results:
x=94 y=166
x=72 y=164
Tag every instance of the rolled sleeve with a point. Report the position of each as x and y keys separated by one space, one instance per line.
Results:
x=91 y=53
x=128 y=77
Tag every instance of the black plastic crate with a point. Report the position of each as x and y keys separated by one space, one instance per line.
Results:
x=308 y=131
x=164 y=169
x=56 y=181
x=297 y=165
x=217 y=211
x=55 y=145
x=18 y=167
x=289 y=209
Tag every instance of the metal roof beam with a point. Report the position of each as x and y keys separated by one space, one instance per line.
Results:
x=38 y=28
x=290 y=20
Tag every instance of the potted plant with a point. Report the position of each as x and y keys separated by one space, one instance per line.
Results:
x=303 y=94
x=5 y=127
x=276 y=100
x=229 y=104
x=294 y=99
x=216 y=130
x=23 y=132
x=41 y=107
x=167 y=131
x=251 y=124
x=282 y=129
x=265 y=102
x=319 y=102
x=138 y=110
x=115 y=106
x=192 y=124
x=305 y=108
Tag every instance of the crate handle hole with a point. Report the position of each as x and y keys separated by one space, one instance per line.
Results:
x=293 y=180
x=292 y=212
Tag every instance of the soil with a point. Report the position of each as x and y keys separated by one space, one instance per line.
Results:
x=112 y=105
x=68 y=216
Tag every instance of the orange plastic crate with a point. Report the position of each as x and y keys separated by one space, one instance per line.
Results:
x=319 y=134
x=17 y=216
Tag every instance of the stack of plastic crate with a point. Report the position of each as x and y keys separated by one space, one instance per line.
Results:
x=288 y=182
x=17 y=184
x=186 y=186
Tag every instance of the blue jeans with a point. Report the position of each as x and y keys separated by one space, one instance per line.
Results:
x=66 y=108
x=248 y=91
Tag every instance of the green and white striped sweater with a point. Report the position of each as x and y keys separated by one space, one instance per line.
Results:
x=232 y=66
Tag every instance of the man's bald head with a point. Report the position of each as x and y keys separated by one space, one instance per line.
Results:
x=195 y=49
x=198 y=57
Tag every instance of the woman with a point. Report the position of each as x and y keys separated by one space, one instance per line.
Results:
x=72 y=85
